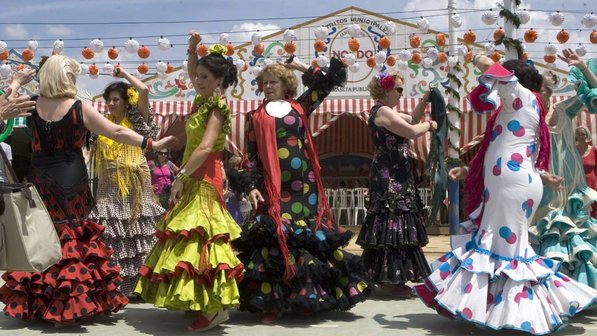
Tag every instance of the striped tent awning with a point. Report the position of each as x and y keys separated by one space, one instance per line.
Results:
x=471 y=125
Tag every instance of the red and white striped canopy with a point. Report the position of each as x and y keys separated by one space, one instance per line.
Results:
x=472 y=124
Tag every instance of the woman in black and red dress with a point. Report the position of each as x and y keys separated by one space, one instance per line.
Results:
x=85 y=281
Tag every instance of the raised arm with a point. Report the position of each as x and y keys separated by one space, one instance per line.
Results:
x=194 y=39
x=21 y=78
x=143 y=103
x=572 y=59
x=320 y=83
x=389 y=119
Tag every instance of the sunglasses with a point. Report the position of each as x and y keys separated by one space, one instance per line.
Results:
x=162 y=153
x=399 y=89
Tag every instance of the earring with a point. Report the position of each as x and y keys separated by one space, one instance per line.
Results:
x=217 y=91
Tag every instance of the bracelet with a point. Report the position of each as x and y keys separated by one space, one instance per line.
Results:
x=149 y=143
x=182 y=175
x=430 y=126
x=144 y=142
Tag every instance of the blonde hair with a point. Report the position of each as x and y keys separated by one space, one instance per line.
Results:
x=58 y=77
x=375 y=89
x=285 y=75
x=588 y=135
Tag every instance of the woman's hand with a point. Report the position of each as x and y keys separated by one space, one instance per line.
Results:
x=296 y=65
x=552 y=181
x=194 y=39
x=255 y=197
x=571 y=58
x=24 y=76
x=432 y=125
x=119 y=72
x=176 y=191
x=458 y=173
x=16 y=106
x=165 y=143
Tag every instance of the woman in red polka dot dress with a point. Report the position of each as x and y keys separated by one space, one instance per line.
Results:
x=292 y=249
x=493 y=277
x=85 y=281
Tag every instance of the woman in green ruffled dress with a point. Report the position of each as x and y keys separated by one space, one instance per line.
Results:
x=564 y=229
x=193 y=266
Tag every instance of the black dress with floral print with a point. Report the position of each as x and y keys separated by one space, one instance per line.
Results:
x=394 y=229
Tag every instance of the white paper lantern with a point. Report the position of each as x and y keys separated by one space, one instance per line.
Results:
x=432 y=53
x=161 y=67
x=456 y=20
x=462 y=50
x=380 y=57
x=108 y=68
x=489 y=17
x=224 y=38
x=256 y=38
x=355 y=67
x=3 y=46
x=321 y=32
x=256 y=70
x=138 y=74
x=289 y=35
x=405 y=55
x=378 y=67
x=402 y=65
x=390 y=26
x=589 y=20
x=551 y=66
x=163 y=43
x=32 y=44
x=131 y=46
x=84 y=69
x=489 y=47
x=423 y=25
x=322 y=61
x=452 y=61
x=267 y=61
x=551 y=49
x=524 y=16
x=239 y=64
x=350 y=59
x=96 y=45
x=556 y=19
x=58 y=46
x=581 y=50
x=427 y=62
x=5 y=70
x=354 y=30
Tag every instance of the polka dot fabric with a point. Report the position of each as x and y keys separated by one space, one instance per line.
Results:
x=493 y=277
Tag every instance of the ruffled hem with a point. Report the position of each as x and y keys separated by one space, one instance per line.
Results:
x=84 y=283
x=115 y=209
x=327 y=278
x=526 y=294
x=130 y=247
x=395 y=265
x=119 y=229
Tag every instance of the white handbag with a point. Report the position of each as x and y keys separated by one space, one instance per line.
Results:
x=28 y=238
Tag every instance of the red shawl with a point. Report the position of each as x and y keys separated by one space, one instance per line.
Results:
x=265 y=136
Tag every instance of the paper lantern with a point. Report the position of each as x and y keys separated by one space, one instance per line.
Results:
x=289 y=36
x=380 y=57
x=138 y=74
x=258 y=49
x=350 y=59
x=405 y=55
x=163 y=43
x=322 y=61
x=581 y=50
x=58 y=46
x=256 y=38
x=319 y=45
x=470 y=37
x=462 y=50
x=593 y=36
x=355 y=67
x=96 y=45
x=161 y=67
x=563 y=36
x=378 y=67
x=589 y=20
x=489 y=47
x=290 y=47
x=551 y=49
x=452 y=61
x=456 y=20
x=489 y=17
x=27 y=55
x=495 y=56
x=202 y=50
x=423 y=25
x=416 y=58
x=93 y=70
x=549 y=58
x=84 y=68
x=32 y=44
x=5 y=70
x=391 y=60
x=143 y=68
x=442 y=57
x=524 y=16
x=3 y=46
x=530 y=35
x=108 y=68
x=498 y=34
x=240 y=65
x=321 y=33
x=131 y=46
x=440 y=39
x=267 y=61
x=402 y=65
x=384 y=42
x=4 y=55
x=432 y=53
x=256 y=70
x=468 y=57
x=224 y=38
x=113 y=53
x=230 y=49
x=524 y=56
x=427 y=62
x=414 y=40
x=354 y=44
x=87 y=53
x=371 y=61
x=143 y=52
x=556 y=18
x=390 y=26
x=353 y=30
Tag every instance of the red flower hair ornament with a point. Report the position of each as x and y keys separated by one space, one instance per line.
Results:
x=386 y=81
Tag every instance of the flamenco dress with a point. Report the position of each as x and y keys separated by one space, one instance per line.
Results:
x=85 y=281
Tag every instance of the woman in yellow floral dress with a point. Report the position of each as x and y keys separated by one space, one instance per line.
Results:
x=193 y=266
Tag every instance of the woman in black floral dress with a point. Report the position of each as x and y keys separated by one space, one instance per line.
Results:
x=394 y=230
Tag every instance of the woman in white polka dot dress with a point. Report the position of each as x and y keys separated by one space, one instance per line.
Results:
x=492 y=277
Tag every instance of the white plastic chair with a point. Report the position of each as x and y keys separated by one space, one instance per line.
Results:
x=359 y=203
x=425 y=194
x=343 y=203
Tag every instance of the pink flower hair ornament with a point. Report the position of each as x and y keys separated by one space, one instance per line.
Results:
x=386 y=81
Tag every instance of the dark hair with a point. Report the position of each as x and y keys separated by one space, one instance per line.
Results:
x=121 y=88
x=220 y=67
x=527 y=75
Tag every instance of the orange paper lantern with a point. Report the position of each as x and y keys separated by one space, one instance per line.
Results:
x=384 y=42
x=391 y=60
x=230 y=49
x=143 y=68
x=354 y=44
x=4 y=55
x=27 y=55
x=258 y=49
x=87 y=53
x=470 y=37
x=549 y=58
x=563 y=36
x=319 y=45
x=468 y=57
x=169 y=68
x=202 y=50
x=290 y=47
x=442 y=57
x=371 y=61
x=416 y=58
x=496 y=56
x=414 y=40
x=143 y=52
x=498 y=34
x=93 y=69
x=593 y=36
x=530 y=35
x=440 y=39
x=113 y=53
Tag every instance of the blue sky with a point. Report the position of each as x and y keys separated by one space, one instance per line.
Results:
x=52 y=19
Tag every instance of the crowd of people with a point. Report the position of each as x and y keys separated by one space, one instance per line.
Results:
x=257 y=232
